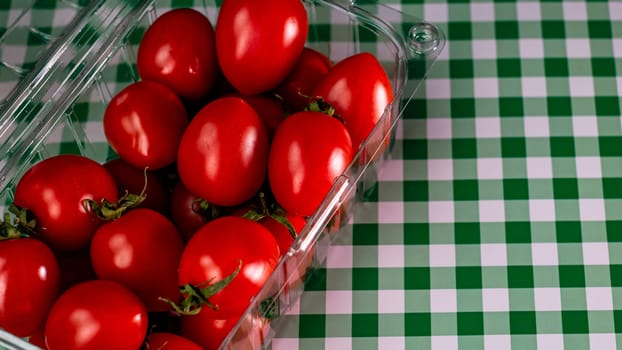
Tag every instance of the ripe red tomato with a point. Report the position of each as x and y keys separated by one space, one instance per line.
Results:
x=210 y=333
x=258 y=42
x=270 y=109
x=220 y=247
x=359 y=99
x=29 y=284
x=297 y=88
x=97 y=314
x=178 y=50
x=54 y=190
x=143 y=123
x=130 y=179
x=223 y=153
x=38 y=339
x=170 y=341
x=309 y=151
x=189 y=212
x=140 y=250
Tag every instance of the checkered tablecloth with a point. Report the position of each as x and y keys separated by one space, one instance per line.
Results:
x=498 y=222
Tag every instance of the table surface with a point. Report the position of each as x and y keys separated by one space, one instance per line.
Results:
x=498 y=221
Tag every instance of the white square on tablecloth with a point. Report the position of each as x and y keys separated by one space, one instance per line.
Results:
x=441 y=212
x=491 y=211
x=488 y=127
x=617 y=47
x=435 y=13
x=497 y=341
x=391 y=301
x=595 y=253
x=392 y=170
x=63 y=16
x=603 y=341
x=574 y=10
x=528 y=11
x=547 y=299
x=536 y=126
x=438 y=128
x=542 y=209
x=391 y=343
x=390 y=255
x=285 y=344
x=615 y=10
x=585 y=126
x=482 y=11
x=495 y=299
x=588 y=167
x=581 y=86
x=490 y=168
x=443 y=300
x=337 y=343
x=531 y=48
x=598 y=298
x=533 y=86
x=440 y=169
x=338 y=302
x=550 y=341
x=578 y=48
x=484 y=48
x=493 y=254
x=339 y=256
x=437 y=88
x=544 y=254
x=442 y=255
x=539 y=168
x=486 y=87
x=444 y=342
x=390 y=212
x=592 y=209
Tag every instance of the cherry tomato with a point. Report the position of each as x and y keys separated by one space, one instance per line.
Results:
x=258 y=42
x=217 y=250
x=29 y=281
x=143 y=123
x=178 y=50
x=223 y=153
x=359 y=99
x=97 y=314
x=170 y=341
x=210 y=333
x=54 y=190
x=297 y=88
x=309 y=151
x=130 y=179
x=140 y=250
x=189 y=212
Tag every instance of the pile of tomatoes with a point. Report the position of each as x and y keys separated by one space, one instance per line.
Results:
x=231 y=138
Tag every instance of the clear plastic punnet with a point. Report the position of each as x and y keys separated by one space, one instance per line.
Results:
x=58 y=102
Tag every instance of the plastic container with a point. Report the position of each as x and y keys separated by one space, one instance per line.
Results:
x=58 y=104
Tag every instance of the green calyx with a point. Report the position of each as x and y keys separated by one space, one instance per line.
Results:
x=23 y=225
x=272 y=210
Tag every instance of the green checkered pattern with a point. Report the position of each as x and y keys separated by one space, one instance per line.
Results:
x=497 y=223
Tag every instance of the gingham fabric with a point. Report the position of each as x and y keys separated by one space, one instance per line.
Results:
x=498 y=222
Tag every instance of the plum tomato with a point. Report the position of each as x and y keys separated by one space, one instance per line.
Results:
x=143 y=123
x=97 y=314
x=223 y=153
x=229 y=259
x=131 y=180
x=270 y=109
x=189 y=212
x=359 y=99
x=178 y=50
x=297 y=88
x=258 y=42
x=210 y=333
x=54 y=190
x=29 y=281
x=309 y=151
x=170 y=341
x=140 y=250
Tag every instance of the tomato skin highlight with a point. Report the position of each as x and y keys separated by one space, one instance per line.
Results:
x=143 y=123
x=140 y=250
x=96 y=314
x=222 y=156
x=54 y=190
x=309 y=151
x=258 y=42
x=178 y=50
x=30 y=283
x=216 y=250
x=359 y=89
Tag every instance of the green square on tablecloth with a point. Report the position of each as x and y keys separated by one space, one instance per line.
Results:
x=549 y=322
x=520 y=276
x=522 y=322
x=575 y=321
x=418 y=324
x=571 y=276
x=573 y=298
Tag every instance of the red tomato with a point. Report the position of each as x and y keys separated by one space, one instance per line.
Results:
x=190 y=212
x=270 y=109
x=140 y=250
x=358 y=99
x=309 y=151
x=215 y=252
x=297 y=88
x=143 y=124
x=258 y=42
x=281 y=232
x=38 y=339
x=96 y=314
x=223 y=153
x=178 y=50
x=29 y=281
x=170 y=341
x=210 y=333
x=54 y=190
x=130 y=179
